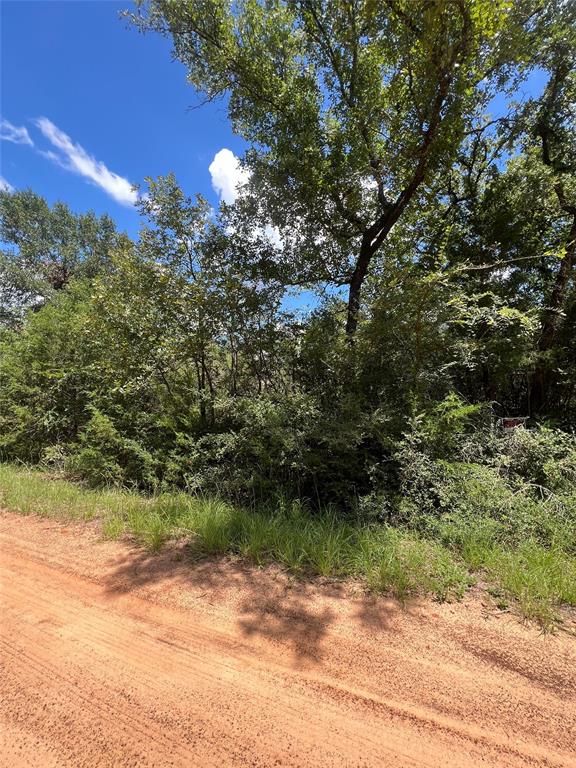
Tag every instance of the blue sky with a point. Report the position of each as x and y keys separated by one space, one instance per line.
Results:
x=113 y=102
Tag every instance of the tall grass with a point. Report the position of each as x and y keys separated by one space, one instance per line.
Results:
x=388 y=560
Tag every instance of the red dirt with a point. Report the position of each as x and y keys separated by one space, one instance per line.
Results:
x=114 y=657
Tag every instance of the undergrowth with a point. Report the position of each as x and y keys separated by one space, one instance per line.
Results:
x=393 y=560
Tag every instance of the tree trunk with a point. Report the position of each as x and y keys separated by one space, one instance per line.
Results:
x=551 y=321
x=372 y=239
x=356 y=282
x=543 y=380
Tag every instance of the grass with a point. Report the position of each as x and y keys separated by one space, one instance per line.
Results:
x=539 y=579
x=388 y=560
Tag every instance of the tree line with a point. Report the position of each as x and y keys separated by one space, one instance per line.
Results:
x=407 y=181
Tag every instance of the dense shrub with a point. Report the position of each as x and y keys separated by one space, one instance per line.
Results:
x=520 y=488
x=270 y=445
x=104 y=457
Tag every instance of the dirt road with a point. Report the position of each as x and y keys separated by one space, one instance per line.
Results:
x=113 y=657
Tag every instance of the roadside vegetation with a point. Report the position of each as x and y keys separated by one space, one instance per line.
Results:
x=538 y=576
x=411 y=165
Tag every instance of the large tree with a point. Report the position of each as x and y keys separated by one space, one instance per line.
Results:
x=349 y=106
x=43 y=247
x=181 y=304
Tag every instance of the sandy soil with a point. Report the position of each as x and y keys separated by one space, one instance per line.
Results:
x=113 y=657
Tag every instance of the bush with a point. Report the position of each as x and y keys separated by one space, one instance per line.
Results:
x=270 y=445
x=104 y=457
x=545 y=457
x=473 y=505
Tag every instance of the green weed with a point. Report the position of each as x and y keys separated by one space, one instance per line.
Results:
x=393 y=560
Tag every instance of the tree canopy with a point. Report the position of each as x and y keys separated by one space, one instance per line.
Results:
x=352 y=109
x=43 y=248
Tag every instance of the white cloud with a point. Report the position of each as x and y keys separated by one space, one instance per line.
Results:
x=227 y=175
x=228 y=178
x=50 y=155
x=5 y=186
x=14 y=133
x=74 y=158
